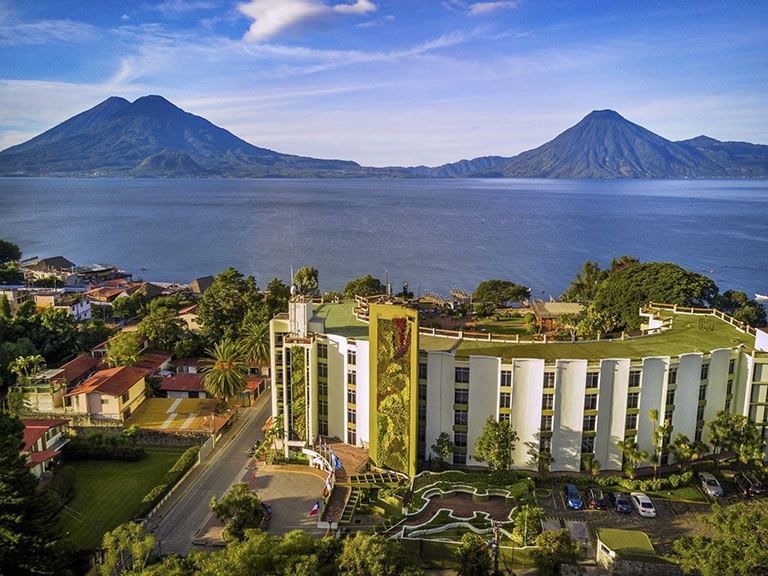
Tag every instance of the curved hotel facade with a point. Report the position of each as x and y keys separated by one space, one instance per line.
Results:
x=367 y=374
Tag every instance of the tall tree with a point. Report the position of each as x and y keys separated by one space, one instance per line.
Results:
x=686 y=452
x=442 y=448
x=738 y=434
x=364 y=286
x=25 y=368
x=306 y=281
x=473 y=555
x=254 y=343
x=276 y=296
x=660 y=435
x=500 y=292
x=126 y=549
x=26 y=516
x=495 y=444
x=9 y=252
x=372 y=555
x=585 y=286
x=555 y=549
x=162 y=328
x=226 y=303
x=240 y=509
x=124 y=349
x=633 y=456
x=739 y=305
x=226 y=373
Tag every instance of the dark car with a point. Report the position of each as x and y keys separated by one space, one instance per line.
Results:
x=620 y=502
x=572 y=497
x=749 y=485
x=596 y=499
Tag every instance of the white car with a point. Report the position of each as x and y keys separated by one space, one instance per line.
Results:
x=643 y=504
x=710 y=485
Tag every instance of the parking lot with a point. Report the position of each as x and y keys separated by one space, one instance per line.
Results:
x=673 y=520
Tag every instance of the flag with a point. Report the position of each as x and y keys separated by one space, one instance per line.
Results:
x=338 y=463
x=328 y=485
x=315 y=509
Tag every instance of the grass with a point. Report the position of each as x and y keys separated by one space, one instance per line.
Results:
x=108 y=492
x=690 y=493
x=510 y=325
x=626 y=541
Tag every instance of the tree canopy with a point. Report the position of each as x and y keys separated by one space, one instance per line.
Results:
x=495 y=444
x=500 y=292
x=556 y=548
x=306 y=281
x=240 y=509
x=473 y=555
x=124 y=349
x=226 y=372
x=162 y=328
x=364 y=286
x=9 y=252
x=226 y=303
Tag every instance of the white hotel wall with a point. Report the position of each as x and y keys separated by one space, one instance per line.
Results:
x=718 y=372
x=527 y=384
x=570 y=382
x=363 y=392
x=653 y=395
x=484 y=382
x=687 y=395
x=337 y=386
x=611 y=411
x=440 y=378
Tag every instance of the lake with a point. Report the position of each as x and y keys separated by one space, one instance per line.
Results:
x=436 y=234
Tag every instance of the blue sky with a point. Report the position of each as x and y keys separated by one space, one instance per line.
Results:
x=393 y=82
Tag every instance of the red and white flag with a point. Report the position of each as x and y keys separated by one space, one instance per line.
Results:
x=315 y=509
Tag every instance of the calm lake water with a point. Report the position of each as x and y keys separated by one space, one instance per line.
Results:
x=436 y=234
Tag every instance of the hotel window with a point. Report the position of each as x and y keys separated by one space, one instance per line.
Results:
x=631 y=422
x=104 y=401
x=505 y=418
x=505 y=400
x=462 y=375
x=422 y=393
x=731 y=366
x=322 y=350
x=589 y=423
x=545 y=444
x=322 y=370
x=702 y=392
x=546 y=423
x=459 y=458
x=506 y=378
x=727 y=405
x=673 y=375
x=697 y=436
x=351 y=396
x=670 y=397
x=352 y=377
x=729 y=387
x=592 y=379
x=704 y=371
x=549 y=380
x=352 y=357
x=700 y=414
x=634 y=378
x=352 y=437
x=322 y=407
x=668 y=416
x=322 y=388
x=633 y=400
x=461 y=397
x=460 y=439
x=322 y=427
x=423 y=370
x=422 y=412
x=460 y=417
x=351 y=417
x=548 y=402
x=590 y=402
x=588 y=445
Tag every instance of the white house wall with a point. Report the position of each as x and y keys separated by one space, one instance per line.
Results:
x=440 y=378
x=337 y=386
x=363 y=392
x=612 y=408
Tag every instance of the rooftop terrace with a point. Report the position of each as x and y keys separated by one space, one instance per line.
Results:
x=340 y=319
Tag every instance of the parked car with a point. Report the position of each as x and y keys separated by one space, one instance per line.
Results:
x=620 y=502
x=710 y=485
x=749 y=485
x=572 y=497
x=596 y=499
x=643 y=504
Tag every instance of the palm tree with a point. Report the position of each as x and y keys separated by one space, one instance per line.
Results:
x=661 y=431
x=254 y=344
x=25 y=367
x=226 y=374
x=633 y=456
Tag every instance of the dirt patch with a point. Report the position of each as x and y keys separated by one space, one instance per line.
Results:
x=463 y=506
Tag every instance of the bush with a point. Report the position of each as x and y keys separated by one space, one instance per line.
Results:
x=185 y=461
x=96 y=447
x=152 y=498
x=63 y=484
x=171 y=478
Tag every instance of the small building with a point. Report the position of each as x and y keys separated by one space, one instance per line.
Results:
x=80 y=368
x=630 y=552
x=45 y=393
x=43 y=441
x=74 y=303
x=188 y=315
x=111 y=394
x=549 y=314
x=199 y=285
x=185 y=385
x=189 y=365
x=154 y=361
x=15 y=294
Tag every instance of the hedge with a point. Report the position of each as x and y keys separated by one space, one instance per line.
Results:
x=171 y=478
x=94 y=449
x=63 y=484
x=649 y=485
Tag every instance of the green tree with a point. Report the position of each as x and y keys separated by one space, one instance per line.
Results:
x=594 y=323
x=128 y=307
x=25 y=368
x=372 y=555
x=306 y=281
x=737 y=434
x=686 y=452
x=555 y=549
x=633 y=456
x=126 y=549
x=9 y=252
x=738 y=543
x=473 y=555
x=92 y=333
x=527 y=525
x=5 y=308
x=240 y=509
x=54 y=333
x=124 y=349
x=226 y=373
x=739 y=305
x=495 y=444
x=254 y=344
x=276 y=296
x=442 y=448
x=585 y=286
x=364 y=286
x=162 y=329
x=500 y=293
x=226 y=303
x=27 y=517
x=660 y=435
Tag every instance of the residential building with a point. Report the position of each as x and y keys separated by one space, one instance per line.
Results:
x=43 y=441
x=199 y=285
x=184 y=385
x=16 y=295
x=112 y=394
x=188 y=315
x=549 y=315
x=74 y=303
x=574 y=400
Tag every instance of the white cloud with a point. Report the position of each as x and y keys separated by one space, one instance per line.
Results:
x=173 y=7
x=44 y=31
x=479 y=8
x=125 y=17
x=376 y=22
x=271 y=17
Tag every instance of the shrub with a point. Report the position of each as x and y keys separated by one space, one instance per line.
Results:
x=171 y=478
x=97 y=447
x=63 y=484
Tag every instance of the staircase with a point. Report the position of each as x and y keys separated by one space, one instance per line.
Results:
x=349 y=507
x=373 y=480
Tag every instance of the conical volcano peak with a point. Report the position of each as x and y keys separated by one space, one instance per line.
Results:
x=603 y=115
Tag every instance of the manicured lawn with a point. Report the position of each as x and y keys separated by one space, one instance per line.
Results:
x=690 y=493
x=108 y=492
x=509 y=325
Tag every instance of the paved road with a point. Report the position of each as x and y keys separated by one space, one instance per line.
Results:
x=187 y=510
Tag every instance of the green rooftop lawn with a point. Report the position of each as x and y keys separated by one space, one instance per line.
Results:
x=626 y=542
x=340 y=319
x=108 y=492
x=685 y=336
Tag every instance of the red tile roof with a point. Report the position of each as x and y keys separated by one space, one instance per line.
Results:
x=254 y=382
x=183 y=383
x=79 y=367
x=188 y=310
x=190 y=362
x=36 y=429
x=36 y=458
x=113 y=381
x=151 y=360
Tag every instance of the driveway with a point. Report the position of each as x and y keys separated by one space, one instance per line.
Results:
x=186 y=510
x=291 y=495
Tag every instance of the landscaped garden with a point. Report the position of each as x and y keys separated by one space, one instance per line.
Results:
x=109 y=492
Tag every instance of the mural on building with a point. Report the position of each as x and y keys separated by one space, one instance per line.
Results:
x=393 y=393
x=298 y=393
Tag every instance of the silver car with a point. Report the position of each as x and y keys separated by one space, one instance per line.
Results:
x=710 y=485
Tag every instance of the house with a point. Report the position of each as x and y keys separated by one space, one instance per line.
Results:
x=94 y=273
x=75 y=304
x=188 y=315
x=189 y=365
x=56 y=266
x=199 y=285
x=45 y=393
x=549 y=314
x=80 y=368
x=188 y=385
x=43 y=441
x=15 y=294
x=630 y=552
x=154 y=361
x=111 y=394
